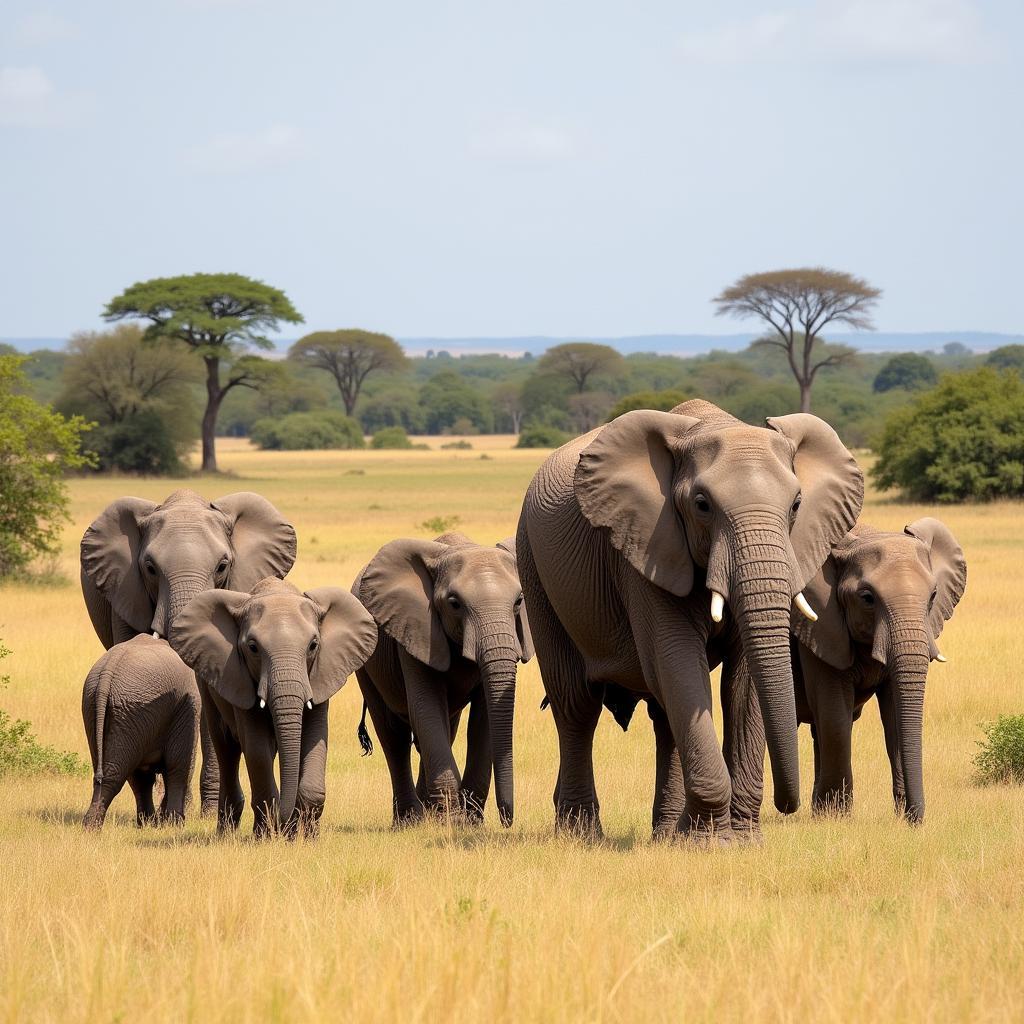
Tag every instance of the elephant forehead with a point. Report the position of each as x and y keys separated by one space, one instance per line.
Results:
x=281 y=610
x=891 y=557
x=743 y=443
x=191 y=520
x=479 y=564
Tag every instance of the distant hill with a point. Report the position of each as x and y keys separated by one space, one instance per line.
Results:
x=665 y=344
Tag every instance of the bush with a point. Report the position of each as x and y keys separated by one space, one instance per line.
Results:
x=542 y=437
x=462 y=445
x=308 y=431
x=139 y=444
x=1001 y=757
x=440 y=524
x=962 y=440
x=909 y=371
x=1006 y=357
x=37 y=446
x=391 y=437
x=664 y=401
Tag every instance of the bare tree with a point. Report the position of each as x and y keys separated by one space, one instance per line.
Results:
x=579 y=361
x=797 y=305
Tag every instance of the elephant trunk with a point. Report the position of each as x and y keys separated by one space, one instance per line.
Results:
x=908 y=669
x=497 y=656
x=288 y=694
x=173 y=593
x=761 y=597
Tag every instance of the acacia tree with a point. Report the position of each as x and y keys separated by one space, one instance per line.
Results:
x=350 y=356
x=797 y=305
x=578 y=361
x=218 y=316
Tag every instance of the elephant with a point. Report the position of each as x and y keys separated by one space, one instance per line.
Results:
x=621 y=532
x=452 y=628
x=143 y=562
x=882 y=599
x=140 y=705
x=267 y=663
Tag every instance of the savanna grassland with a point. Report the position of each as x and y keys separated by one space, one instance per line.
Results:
x=827 y=920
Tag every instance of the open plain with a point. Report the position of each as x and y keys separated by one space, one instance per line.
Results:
x=827 y=920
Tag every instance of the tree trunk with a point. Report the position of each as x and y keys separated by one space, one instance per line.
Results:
x=805 y=396
x=214 y=395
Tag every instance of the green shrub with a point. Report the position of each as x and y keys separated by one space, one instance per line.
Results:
x=308 y=431
x=1001 y=757
x=139 y=444
x=440 y=524
x=664 y=401
x=908 y=370
x=460 y=445
x=542 y=437
x=391 y=437
x=964 y=439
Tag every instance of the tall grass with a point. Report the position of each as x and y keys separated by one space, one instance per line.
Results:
x=829 y=920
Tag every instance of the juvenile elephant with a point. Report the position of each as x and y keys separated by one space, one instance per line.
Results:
x=623 y=531
x=140 y=705
x=452 y=629
x=143 y=562
x=267 y=663
x=882 y=599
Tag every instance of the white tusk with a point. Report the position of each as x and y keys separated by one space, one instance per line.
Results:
x=941 y=657
x=263 y=703
x=156 y=635
x=309 y=704
x=717 y=604
x=805 y=609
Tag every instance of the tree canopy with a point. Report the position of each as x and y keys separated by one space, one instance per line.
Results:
x=909 y=371
x=797 y=305
x=349 y=356
x=219 y=316
x=580 y=362
x=1006 y=357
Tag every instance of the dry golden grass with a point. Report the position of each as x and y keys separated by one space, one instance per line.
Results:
x=828 y=920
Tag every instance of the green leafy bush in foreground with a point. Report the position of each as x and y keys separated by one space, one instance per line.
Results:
x=1001 y=754
x=307 y=431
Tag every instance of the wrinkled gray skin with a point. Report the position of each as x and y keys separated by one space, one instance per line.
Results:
x=624 y=533
x=143 y=562
x=140 y=706
x=452 y=630
x=882 y=599
x=267 y=664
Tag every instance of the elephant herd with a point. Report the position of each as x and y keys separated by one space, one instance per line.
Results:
x=649 y=551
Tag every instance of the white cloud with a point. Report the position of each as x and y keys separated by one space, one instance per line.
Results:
x=916 y=31
x=26 y=96
x=518 y=138
x=232 y=152
x=42 y=27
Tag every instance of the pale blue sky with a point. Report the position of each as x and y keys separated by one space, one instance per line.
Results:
x=478 y=168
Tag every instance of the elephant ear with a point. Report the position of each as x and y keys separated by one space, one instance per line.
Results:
x=263 y=542
x=624 y=483
x=205 y=635
x=829 y=637
x=348 y=636
x=110 y=560
x=523 y=634
x=398 y=590
x=832 y=486
x=948 y=566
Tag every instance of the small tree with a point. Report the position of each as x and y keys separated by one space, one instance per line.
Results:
x=963 y=439
x=508 y=403
x=218 y=316
x=1006 y=357
x=909 y=371
x=580 y=361
x=37 y=446
x=349 y=357
x=797 y=305
x=664 y=401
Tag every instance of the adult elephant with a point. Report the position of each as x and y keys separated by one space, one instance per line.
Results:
x=882 y=599
x=143 y=562
x=621 y=532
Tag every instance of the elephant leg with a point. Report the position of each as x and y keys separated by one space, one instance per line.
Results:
x=833 y=726
x=743 y=745
x=577 y=809
x=228 y=752
x=141 y=782
x=669 y=796
x=476 y=780
x=209 y=773
x=887 y=710
x=260 y=747
x=312 y=792
x=395 y=738
x=102 y=795
x=179 y=758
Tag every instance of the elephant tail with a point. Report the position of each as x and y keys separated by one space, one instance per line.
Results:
x=100 y=700
x=364 y=734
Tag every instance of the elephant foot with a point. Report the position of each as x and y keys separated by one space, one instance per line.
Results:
x=746 y=831
x=209 y=807
x=832 y=805
x=706 y=826
x=408 y=815
x=580 y=821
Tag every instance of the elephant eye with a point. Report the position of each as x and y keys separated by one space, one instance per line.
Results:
x=931 y=600
x=867 y=597
x=222 y=567
x=251 y=644
x=518 y=604
x=150 y=568
x=702 y=503
x=454 y=603
x=796 y=504
x=313 y=645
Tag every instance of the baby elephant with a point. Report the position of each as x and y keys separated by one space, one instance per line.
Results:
x=452 y=629
x=140 y=706
x=267 y=663
x=882 y=599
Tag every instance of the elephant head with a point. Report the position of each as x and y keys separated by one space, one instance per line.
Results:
x=279 y=648
x=451 y=597
x=146 y=561
x=886 y=596
x=754 y=510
